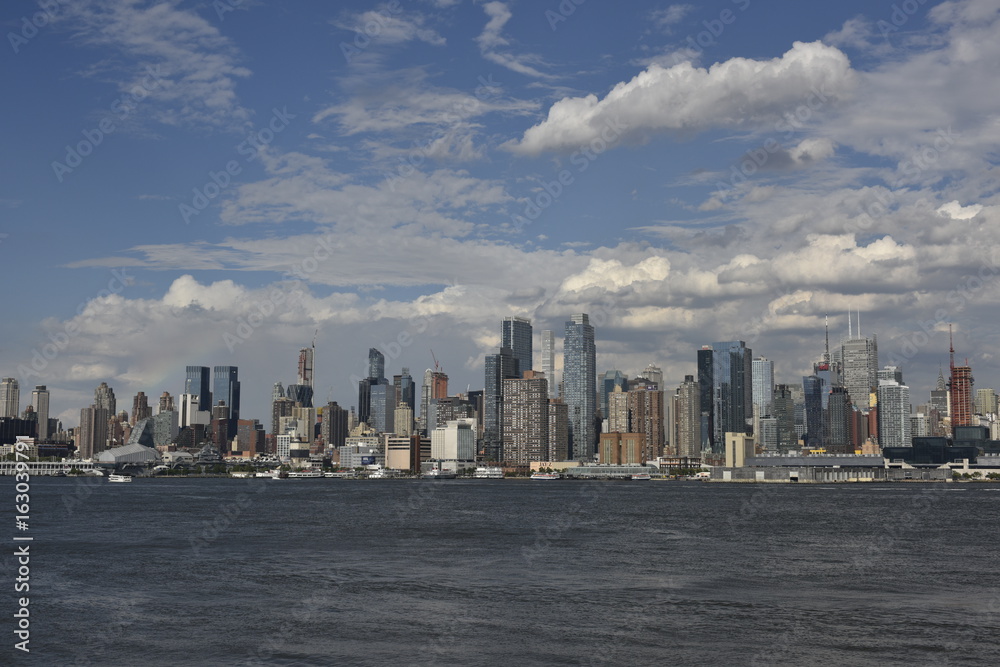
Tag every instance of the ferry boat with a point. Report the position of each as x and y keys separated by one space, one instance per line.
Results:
x=487 y=472
x=642 y=476
x=545 y=475
x=119 y=478
x=305 y=473
x=437 y=473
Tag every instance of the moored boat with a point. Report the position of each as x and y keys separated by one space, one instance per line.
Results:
x=488 y=472
x=119 y=478
x=545 y=475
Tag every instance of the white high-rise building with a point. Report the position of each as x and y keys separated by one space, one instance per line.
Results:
x=860 y=359
x=10 y=398
x=40 y=399
x=762 y=371
x=549 y=360
x=455 y=441
x=893 y=414
x=653 y=374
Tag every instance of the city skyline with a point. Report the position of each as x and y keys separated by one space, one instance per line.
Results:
x=466 y=162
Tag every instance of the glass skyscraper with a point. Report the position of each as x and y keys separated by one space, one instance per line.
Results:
x=197 y=382
x=516 y=336
x=549 y=360
x=227 y=388
x=732 y=375
x=499 y=367
x=580 y=384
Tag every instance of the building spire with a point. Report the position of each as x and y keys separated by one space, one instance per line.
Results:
x=951 y=351
x=826 y=353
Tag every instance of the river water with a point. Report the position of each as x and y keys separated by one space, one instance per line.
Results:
x=505 y=572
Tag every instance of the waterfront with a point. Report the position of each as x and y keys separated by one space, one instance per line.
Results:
x=482 y=572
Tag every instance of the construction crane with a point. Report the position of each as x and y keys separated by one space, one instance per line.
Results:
x=437 y=366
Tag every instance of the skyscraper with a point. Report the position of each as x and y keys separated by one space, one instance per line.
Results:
x=580 y=384
x=10 y=398
x=609 y=381
x=893 y=414
x=960 y=392
x=732 y=375
x=227 y=388
x=549 y=360
x=499 y=367
x=140 y=407
x=516 y=335
x=383 y=407
x=405 y=389
x=197 y=382
x=653 y=374
x=376 y=364
x=813 y=389
x=706 y=400
x=104 y=397
x=166 y=403
x=784 y=414
x=986 y=402
x=688 y=418
x=525 y=419
x=645 y=415
x=763 y=386
x=305 y=375
x=40 y=399
x=859 y=356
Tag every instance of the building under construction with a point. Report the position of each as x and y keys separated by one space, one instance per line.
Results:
x=960 y=389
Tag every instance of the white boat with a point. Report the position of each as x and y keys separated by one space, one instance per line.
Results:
x=642 y=476
x=270 y=473
x=305 y=473
x=545 y=475
x=437 y=473
x=240 y=475
x=487 y=472
x=119 y=478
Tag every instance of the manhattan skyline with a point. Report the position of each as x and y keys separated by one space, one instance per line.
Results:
x=241 y=198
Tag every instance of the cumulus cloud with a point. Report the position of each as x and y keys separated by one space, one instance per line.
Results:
x=685 y=100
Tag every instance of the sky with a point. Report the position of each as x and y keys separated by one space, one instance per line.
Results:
x=221 y=183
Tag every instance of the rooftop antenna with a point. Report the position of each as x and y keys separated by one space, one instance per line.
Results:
x=951 y=351
x=850 y=333
x=826 y=354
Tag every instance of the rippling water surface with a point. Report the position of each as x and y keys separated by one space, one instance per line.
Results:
x=490 y=572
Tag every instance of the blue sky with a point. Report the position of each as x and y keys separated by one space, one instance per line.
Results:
x=415 y=171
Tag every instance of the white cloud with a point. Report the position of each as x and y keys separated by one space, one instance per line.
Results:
x=492 y=43
x=197 y=67
x=684 y=100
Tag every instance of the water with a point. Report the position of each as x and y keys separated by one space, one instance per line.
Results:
x=481 y=572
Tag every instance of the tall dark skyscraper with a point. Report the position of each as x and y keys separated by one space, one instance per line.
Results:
x=196 y=381
x=580 y=384
x=406 y=391
x=376 y=377
x=732 y=381
x=376 y=364
x=227 y=388
x=813 y=389
x=706 y=391
x=516 y=336
x=499 y=367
